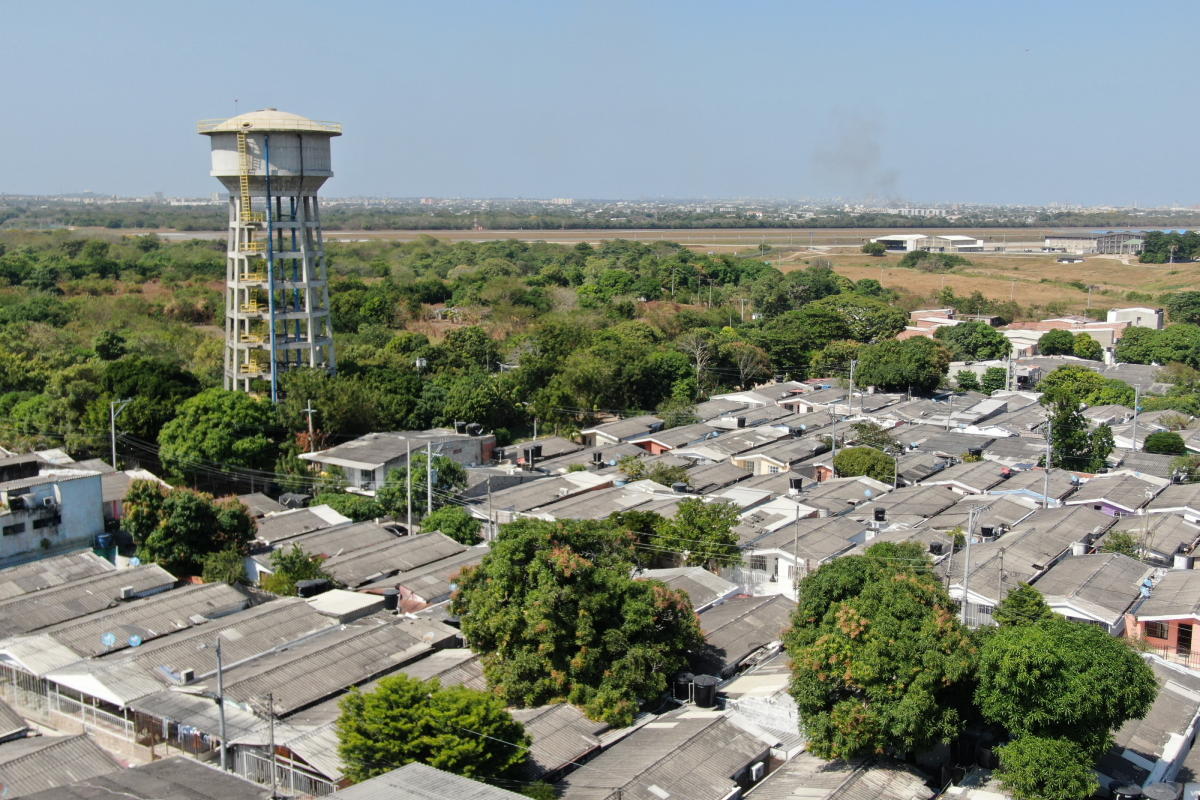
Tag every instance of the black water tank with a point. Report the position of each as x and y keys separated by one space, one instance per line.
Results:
x=741 y=422
x=880 y=514
x=679 y=487
x=975 y=452
x=987 y=530
x=460 y=426
x=706 y=690
x=1163 y=791
x=391 y=599
x=935 y=548
x=311 y=588
x=474 y=429
x=1124 y=791
x=796 y=483
x=597 y=457
x=537 y=451
x=683 y=687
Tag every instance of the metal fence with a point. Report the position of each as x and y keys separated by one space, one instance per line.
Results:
x=291 y=778
x=1185 y=658
x=23 y=690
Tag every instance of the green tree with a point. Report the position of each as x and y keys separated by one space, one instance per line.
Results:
x=157 y=388
x=918 y=363
x=290 y=566
x=556 y=615
x=967 y=381
x=178 y=528
x=833 y=360
x=703 y=533
x=865 y=319
x=1078 y=384
x=449 y=477
x=109 y=345
x=870 y=434
x=635 y=469
x=225 y=566
x=1022 y=606
x=471 y=347
x=219 y=430
x=491 y=399
x=1062 y=679
x=994 y=379
x=1122 y=542
x=1088 y=348
x=1184 y=307
x=355 y=506
x=1057 y=343
x=973 y=341
x=854 y=461
x=452 y=728
x=455 y=522
x=1041 y=768
x=1165 y=442
x=874 y=249
x=878 y=657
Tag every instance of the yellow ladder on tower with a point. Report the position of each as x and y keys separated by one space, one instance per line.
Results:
x=244 y=181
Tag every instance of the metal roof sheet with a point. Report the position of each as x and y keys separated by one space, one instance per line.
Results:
x=561 y=735
x=389 y=557
x=737 y=628
x=176 y=778
x=11 y=723
x=54 y=571
x=416 y=781
x=68 y=601
x=45 y=762
x=703 y=587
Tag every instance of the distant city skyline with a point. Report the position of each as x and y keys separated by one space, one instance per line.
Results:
x=1003 y=104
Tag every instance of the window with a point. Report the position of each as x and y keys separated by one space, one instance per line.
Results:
x=13 y=530
x=1157 y=630
x=985 y=610
x=47 y=522
x=759 y=563
x=772 y=470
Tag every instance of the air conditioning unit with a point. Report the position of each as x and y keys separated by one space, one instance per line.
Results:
x=126 y=592
x=49 y=502
x=563 y=492
x=187 y=675
x=757 y=771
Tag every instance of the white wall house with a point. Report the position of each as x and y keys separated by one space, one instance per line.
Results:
x=48 y=514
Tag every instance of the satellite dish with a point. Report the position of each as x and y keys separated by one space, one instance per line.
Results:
x=135 y=641
x=135 y=562
x=108 y=640
x=803 y=427
x=867 y=492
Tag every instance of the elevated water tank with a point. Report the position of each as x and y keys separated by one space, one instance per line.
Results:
x=300 y=152
x=683 y=687
x=1125 y=791
x=706 y=690
x=1163 y=791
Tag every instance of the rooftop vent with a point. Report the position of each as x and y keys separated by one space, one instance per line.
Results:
x=127 y=593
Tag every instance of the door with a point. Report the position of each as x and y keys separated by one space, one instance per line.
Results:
x=1183 y=645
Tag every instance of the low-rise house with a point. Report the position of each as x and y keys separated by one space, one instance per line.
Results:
x=1120 y=495
x=741 y=631
x=997 y=516
x=913 y=503
x=40 y=763
x=1153 y=749
x=729 y=445
x=431 y=583
x=760 y=695
x=1156 y=465
x=367 y=460
x=34 y=576
x=328 y=542
x=1111 y=414
x=668 y=439
x=384 y=559
x=1166 y=619
x=820 y=400
x=563 y=737
x=873 y=778
x=969 y=478
x=531 y=499
x=599 y=458
x=690 y=754
x=769 y=394
x=709 y=478
x=50 y=513
x=1033 y=485
x=166 y=779
x=781 y=455
x=297 y=521
x=259 y=505
x=622 y=430
x=114 y=486
x=775 y=560
x=1099 y=589
x=704 y=589
x=1018 y=453
x=416 y=781
x=1182 y=499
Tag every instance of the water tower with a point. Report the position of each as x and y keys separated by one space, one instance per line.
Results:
x=276 y=293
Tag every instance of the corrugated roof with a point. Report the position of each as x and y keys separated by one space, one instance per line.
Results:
x=176 y=778
x=1176 y=594
x=126 y=676
x=319 y=749
x=703 y=587
x=184 y=705
x=78 y=598
x=432 y=581
x=1108 y=582
x=812 y=778
x=1125 y=491
x=417 y=781
x=1170 y=717
x=692 y=756
x=287 y=524
x=326 y=665
x=978 y=476
x=259 y=504
x=737 y=628
x=45 y=762
x=49 y=572
x=561 y=735
x=11 y=723
x=389 y=557
x=452 y=667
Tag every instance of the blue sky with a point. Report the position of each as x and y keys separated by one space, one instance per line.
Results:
x=1086 y=102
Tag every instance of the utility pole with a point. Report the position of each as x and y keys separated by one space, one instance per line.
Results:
x=967 y=560
x=428 y=478
x=491 y=519
x=796 y=554
x=408 y=477
x=113 y=413
x=1046 y=486
x=950 y=413
x=850 y=402
x=1137 y=406
x=271 y=717
x=742 y=300
x=221 y=703
x=309 y=410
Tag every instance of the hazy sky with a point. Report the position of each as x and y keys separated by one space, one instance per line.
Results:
x=1007 y=102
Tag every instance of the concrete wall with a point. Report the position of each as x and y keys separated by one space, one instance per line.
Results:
x=75 y=518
